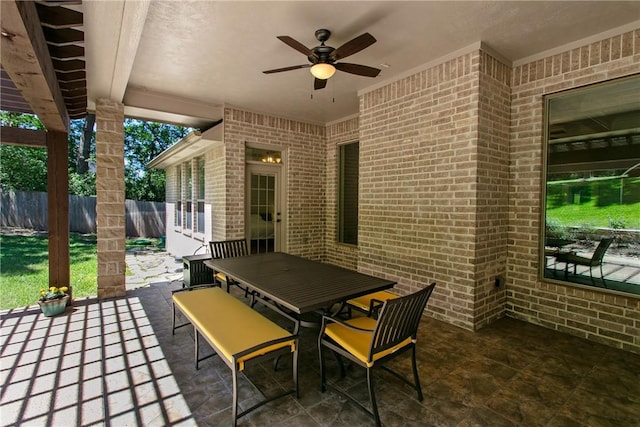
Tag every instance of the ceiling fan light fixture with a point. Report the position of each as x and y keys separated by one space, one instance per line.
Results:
x=323 y=71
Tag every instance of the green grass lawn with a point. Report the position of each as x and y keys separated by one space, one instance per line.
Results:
x=589 y=215
x=24 y=264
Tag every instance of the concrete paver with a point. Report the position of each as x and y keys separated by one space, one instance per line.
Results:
x=145 y=267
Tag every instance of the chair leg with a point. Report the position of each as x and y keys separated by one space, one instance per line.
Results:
x=197 y=344
x=372 y=397
x=343 y=370
x=604 y=282
x=295 y=371
x=234 y=408
x=323 y=386
x=415 y=374
x=173 y=322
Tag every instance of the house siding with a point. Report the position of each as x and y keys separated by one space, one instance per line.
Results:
x=610 y=319
x=215 y=192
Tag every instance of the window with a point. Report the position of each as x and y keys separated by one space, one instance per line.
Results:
x=189 y=196
x=592 y=186
x=262 y=155
x=178 y=212
x=200 y=217
x=348 y=161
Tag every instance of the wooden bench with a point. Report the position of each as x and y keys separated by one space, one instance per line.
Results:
x=238 y=334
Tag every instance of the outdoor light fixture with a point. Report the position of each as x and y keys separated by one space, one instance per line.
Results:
x=322 y=71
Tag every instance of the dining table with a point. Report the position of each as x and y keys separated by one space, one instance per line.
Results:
x=298 y=285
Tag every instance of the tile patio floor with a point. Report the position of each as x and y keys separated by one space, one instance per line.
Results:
x=116 y=363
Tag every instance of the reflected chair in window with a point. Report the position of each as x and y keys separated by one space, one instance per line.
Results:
x=370 y=343
x=229 y=249
x=594 y=261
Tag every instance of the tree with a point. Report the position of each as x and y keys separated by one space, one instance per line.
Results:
x=144 y=141
x=84 y=145
x=82 y=179
x=22 y=168
x=25 y=168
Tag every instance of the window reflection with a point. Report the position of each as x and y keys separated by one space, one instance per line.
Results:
x=592 y=190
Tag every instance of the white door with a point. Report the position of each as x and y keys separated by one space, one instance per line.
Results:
x=264 y=222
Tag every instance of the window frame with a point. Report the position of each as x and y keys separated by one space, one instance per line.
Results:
x=547 y=226
x=342 y=236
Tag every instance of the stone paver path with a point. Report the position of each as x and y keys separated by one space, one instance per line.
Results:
x=145 y=267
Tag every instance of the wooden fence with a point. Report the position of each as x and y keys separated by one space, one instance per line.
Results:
x=29 y=210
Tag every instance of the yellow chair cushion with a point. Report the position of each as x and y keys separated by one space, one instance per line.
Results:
x=229 y=324
x=358 y=343
x=364 y=302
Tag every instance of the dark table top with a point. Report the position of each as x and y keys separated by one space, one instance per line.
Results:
x=299 y=284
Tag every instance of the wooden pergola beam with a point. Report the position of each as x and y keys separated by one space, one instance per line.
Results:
x=23 y=137
x=25 y=57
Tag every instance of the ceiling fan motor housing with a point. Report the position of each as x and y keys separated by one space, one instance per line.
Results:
x=323 y=35
x=324 y=54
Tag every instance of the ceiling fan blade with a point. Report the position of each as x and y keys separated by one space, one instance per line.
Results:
x=360 y=70
x=297 y=46
x=294 y=67
x=354 y=46
x=319 y=84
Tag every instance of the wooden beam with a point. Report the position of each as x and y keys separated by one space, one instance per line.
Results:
x=25 y=57
x=23 y=137
x=58 y=206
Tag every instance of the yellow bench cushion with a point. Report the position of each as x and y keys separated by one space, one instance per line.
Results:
x=364 y=302
x=229 y=324
x=358 y=343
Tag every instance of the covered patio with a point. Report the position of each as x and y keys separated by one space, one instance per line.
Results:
x=450 y=142
x=115 y=362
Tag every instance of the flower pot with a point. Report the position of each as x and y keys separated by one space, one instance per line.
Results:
x=70 y=293
x=53 y=307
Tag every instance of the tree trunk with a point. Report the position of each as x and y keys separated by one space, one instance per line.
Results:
x=84 y=147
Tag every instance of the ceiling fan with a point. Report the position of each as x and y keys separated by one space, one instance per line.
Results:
x=323 y=58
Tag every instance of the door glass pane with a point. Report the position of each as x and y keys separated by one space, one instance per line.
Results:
x=262 y=213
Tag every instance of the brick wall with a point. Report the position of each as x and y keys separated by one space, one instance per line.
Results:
x=304 y=175
x=336 y=253
x=491 y=201
x=110 y=207
x=418 y=184
x=606 y=318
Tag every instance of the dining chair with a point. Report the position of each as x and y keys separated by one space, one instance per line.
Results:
x=594 y=261
x=370 y=342
x=229 y=249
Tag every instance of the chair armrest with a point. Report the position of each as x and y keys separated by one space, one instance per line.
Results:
x=375 y=305
x=326 y=318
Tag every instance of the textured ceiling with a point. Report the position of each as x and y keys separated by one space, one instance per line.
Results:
x=215 y=52
x=182 y=61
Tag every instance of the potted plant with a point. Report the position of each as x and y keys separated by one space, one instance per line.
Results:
x=53 y=300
